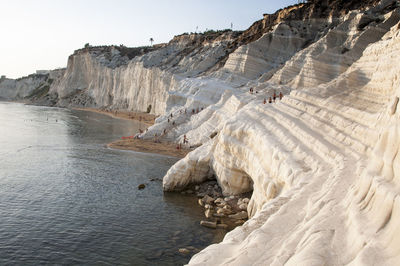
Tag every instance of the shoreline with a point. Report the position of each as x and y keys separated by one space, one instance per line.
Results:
x=144 y=118
x=139 y=145
x=149 y=146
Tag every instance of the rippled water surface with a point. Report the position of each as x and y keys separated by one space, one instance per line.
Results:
x=67 y=199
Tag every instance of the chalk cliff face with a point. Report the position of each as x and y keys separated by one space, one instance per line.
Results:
x=32 y=87
x=11 y=89
x=321 y=162
x=104 y=77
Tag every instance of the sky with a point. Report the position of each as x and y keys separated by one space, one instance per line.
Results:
x=41 y=34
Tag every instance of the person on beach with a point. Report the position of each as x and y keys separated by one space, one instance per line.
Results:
x=156 y=140
x=185 y=139
x=265 y=101
x=274 y=97
x=280 y=95
x=269 y=100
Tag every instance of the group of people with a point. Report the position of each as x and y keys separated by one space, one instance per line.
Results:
x=251 y=90
x=270 y=99
x=185 y=141
x=273 y=98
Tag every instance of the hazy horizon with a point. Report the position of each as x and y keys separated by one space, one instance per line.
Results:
x=40 y=35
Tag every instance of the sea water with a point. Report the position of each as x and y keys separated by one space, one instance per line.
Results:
x=65 y=198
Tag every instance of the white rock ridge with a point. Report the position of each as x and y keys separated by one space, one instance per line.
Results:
x=322 y=162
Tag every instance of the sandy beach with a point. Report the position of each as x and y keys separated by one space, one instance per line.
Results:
x=149 y=146
x=145 y=118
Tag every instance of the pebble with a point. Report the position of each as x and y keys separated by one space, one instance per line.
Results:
x=207 y=199
x=201 y=203
x=208 y=224
x=141 y=186
x=224 y=211
x=219 y=200
x=243 y=206
x=196 y=188
x=208 y=213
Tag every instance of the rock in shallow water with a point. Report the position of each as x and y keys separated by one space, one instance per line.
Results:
x=222 y=226
x=184 y=251
x=208 y=224
x=141 y=186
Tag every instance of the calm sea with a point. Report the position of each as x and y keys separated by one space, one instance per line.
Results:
x=66 y=199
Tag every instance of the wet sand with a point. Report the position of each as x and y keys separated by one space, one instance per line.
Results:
x=149 y=146
x=145 y=118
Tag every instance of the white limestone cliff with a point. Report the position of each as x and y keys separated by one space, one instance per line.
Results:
x=322 y=162
x=29 y=86
x=18 y=89
x=340 y=205
x=98 y=80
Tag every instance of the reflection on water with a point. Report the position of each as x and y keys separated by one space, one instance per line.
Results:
x=67 y=199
